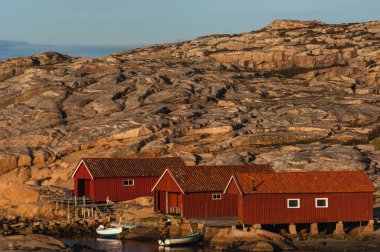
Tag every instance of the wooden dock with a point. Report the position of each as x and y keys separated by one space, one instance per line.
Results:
x=82 y=207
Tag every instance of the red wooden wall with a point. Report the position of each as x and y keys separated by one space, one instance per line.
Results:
x=194 y=205
x=82 y=173
x=116 y=191
x=234 y=190
x=114 y=188
x=167 y=184
x=272 y=208
x=201 y=205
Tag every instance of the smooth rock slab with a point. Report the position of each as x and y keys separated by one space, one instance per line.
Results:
x=30 y=242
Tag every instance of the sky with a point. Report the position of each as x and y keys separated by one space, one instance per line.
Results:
x=98 y=27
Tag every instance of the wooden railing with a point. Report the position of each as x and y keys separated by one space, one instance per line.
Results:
x=174 y=210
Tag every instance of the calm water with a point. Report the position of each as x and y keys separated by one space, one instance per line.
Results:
x=130 y=246
x=134 y=246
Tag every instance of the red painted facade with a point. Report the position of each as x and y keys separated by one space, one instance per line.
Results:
x=234 y=190
x=113 y=188
x=82 y=173
x=191 y=205
x=201 y=205
x=271 y=208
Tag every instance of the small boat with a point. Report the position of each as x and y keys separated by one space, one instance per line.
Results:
x=125 y=227
x=183 y=240
x=108 y=232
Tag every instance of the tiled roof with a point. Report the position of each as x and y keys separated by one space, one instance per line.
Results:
x=130 y=167
x=305 y=182
x=210 y=178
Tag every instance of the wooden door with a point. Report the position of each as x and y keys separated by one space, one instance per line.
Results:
x=87 y=188
x=175 y=202
x=162 y=201
x=81 y=188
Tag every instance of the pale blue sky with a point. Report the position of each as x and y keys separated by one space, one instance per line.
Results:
x=123 y=23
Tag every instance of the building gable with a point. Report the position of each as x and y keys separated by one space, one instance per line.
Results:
x=211 y=178
x=82 y=171
x=233 y=187
x=167 y=183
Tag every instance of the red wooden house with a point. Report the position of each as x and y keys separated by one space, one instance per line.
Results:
x=302 y=197
x=119 y=179
x=196 y=191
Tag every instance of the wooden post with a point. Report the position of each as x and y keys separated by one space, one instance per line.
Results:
x=75 y=207
x=314 y=229
x=84 y=207
x=292 y=229
x=68 y=211
x=167 y=201
x=182 y=206
x=62 y=204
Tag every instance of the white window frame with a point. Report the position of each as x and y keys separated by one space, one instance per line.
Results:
x=216 y=196
x=327 y=202
x=133 y=182
x=298 y=205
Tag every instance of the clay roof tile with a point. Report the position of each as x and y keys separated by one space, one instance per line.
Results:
x=211 y=178
x=304 y=182
x=130 y=167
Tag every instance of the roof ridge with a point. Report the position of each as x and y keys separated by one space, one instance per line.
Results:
x=298 y=172
x=230 y=165
x=127 y=167
x=306 y=182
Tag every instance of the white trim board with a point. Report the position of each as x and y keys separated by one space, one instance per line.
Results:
x=76 y=169
x=163 y=174
x=237 y=185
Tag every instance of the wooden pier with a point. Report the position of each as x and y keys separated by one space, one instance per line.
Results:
x=82 y=207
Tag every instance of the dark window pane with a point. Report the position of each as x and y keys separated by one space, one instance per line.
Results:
x=128 y=182
x=293 y=203
x=321 y=202
x=216 y=196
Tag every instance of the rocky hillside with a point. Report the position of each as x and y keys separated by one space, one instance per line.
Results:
x=300 y=95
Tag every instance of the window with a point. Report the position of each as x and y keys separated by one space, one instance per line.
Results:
x=216 y=196
x=128 y=182
x=321 y=202
x=293 y=203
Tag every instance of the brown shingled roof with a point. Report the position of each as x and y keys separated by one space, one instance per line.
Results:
x=305 y=182
x=130 y=167
x=211 y=178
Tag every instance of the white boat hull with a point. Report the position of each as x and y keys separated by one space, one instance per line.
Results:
x=109 y=232
x=179 y=241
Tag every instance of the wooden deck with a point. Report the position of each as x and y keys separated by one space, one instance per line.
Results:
x=82 y=207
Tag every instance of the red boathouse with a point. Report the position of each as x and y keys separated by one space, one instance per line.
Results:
x=302 y=197
x=119 y=179
x=196 y=191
